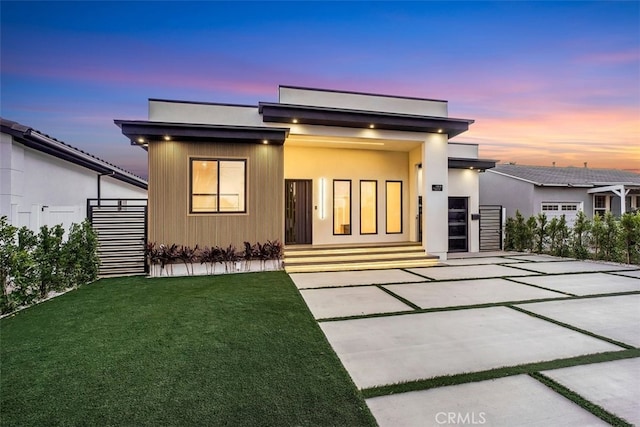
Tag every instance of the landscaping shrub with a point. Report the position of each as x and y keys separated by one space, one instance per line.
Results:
x=509 y=234
x=162 y=257
x=630 y=237
x=32 y=265
x=605 y=238
x=540 y=232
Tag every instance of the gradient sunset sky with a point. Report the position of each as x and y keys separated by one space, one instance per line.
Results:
x=545 y=81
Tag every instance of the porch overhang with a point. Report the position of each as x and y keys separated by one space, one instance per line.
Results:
x=620 y=190
x=480 y=164
x=142 y=132
x=324 y=116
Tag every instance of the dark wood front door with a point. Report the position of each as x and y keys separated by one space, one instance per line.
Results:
x=298 y=216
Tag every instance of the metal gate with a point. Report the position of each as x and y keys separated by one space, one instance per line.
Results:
x=121 y=225
x=490 y=228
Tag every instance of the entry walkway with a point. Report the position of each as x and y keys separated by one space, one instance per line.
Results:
x=506 y=339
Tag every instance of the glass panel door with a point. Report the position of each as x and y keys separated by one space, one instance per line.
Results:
x=458 y=224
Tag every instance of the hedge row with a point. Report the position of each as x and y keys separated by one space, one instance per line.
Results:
x=34 y=264
x=603 y=238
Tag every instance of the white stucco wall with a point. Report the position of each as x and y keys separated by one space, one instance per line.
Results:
x=462 y=150
x=435 y=204
x=203 y=113
x=365 y=102
x=37 y=189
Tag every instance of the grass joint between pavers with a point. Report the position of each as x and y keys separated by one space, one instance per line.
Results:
x=573 y=328
x=468 y=377
x=576 y=398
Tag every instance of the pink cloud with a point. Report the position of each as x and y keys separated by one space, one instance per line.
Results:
x=620 y=57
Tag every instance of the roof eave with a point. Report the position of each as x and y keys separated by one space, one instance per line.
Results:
x=311 y=115
x=464 y=163
x=35 y=140
x=142 y=132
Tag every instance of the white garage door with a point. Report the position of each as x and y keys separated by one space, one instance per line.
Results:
x=557 y=209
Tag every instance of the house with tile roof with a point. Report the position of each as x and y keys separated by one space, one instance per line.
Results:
x=44 y=181
x=558 y=191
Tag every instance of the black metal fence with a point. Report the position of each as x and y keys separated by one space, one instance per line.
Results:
x=490 y=228
x=121 y=225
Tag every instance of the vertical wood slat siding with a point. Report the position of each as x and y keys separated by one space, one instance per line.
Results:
x=169 y=218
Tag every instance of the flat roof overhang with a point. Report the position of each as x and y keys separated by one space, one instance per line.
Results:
x=142 y=132
x=461 y=163
x=304 y=114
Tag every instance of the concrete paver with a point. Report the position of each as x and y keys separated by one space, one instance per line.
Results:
x=468 y=292
x=470 y=272
x=616 y=317
x=554 y=267
x=635 y=273
x=386 y=350
x=538 y=258
x=351 y=301
x=396 y=348
x=346 y=278
x=512 y=401
x=585 y=284
x=615 y=386
x=480 y=261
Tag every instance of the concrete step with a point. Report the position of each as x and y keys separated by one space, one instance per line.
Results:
x=375 y=256
x=353 y=266
x=356 y=257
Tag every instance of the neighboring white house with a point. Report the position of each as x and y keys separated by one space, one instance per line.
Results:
x=558 y=191
x=44 y=181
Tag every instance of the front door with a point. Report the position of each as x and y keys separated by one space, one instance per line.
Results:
x=458 y=214
x=298 y=210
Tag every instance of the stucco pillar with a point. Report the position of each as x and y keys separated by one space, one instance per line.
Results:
x=435 y=201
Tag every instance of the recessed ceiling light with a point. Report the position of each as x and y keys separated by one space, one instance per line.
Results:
x=265 y=141
x=371 y=126
x=140 y=140
x=167 y=138
x=439 y=130
x=295 y=120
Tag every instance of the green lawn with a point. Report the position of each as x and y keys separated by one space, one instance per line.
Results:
x=235 y=350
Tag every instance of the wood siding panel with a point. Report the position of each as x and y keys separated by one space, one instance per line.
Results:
x=169 y=218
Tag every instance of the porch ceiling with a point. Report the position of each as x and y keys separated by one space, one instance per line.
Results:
x=337 y=142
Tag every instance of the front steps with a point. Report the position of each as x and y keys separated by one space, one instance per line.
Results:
x=305 y=259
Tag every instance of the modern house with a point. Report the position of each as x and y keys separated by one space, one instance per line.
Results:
x=318 y=167
x=44 y=181
x=558 y=191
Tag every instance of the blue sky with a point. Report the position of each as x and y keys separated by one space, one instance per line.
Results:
x=545 y=81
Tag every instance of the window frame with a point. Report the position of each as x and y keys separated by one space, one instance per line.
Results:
x=333 y=207
x=386 y=207
x=375 y=182
x=218 y=160
x=601 y=211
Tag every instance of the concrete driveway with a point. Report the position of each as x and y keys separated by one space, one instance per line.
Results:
x=500 y=340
